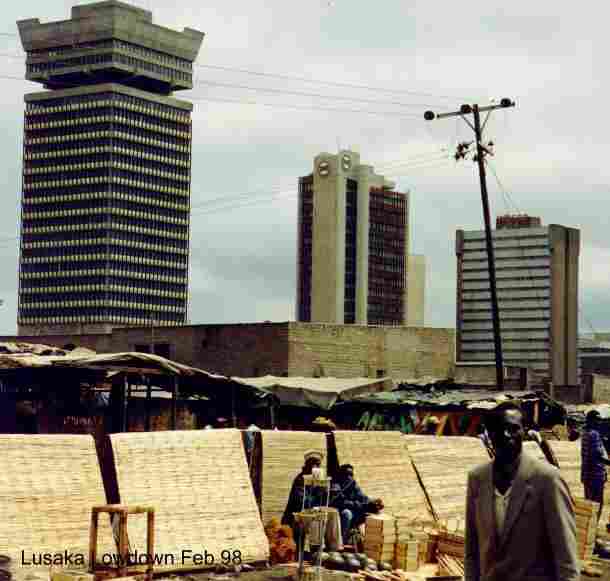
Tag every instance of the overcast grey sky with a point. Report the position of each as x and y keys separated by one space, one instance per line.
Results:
x=551 y=149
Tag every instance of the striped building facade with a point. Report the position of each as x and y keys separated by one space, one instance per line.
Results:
x=106 y=172
x=537 y=286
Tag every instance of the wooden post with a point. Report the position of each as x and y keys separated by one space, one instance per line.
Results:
x=174 y=402
x=93 y=541
x=125 y=401
x=123 y=544
x=150 y=543
x=148 y=400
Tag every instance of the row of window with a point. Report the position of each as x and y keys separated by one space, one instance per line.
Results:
x=69 y=252
x=80 y=299
x=47 y=261
x=110 y=58
x=100 y=214
x=103 y=104
x=113 y=177
x=91 y=134
x=102 y=199
x=118 y=270
x=117 y=166
x=162 y=57
x=62 y=316
x=99 y=223
x=41 y=155
x=100 y=319
x=108 y=236
x=54 y=104
x=56 y=292
x=155 y=198
x=102 y=123
x=59 y=245
x=101 y=282
x=41 y=162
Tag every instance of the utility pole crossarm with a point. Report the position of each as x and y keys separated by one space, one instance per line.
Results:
x=481 y=152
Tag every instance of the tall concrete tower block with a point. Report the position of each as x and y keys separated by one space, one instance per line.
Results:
x=353 y=244
x=537 y=285
x=416 y=290
x=106 y=172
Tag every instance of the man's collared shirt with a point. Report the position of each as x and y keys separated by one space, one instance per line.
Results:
x=501 y=504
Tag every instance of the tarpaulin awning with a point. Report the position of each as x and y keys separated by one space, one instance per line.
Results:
x=321 y=392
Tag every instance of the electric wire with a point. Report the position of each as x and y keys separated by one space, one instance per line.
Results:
x=305 y=94
x=501 y=185
x=309 y=80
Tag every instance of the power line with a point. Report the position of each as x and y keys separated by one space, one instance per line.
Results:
x=309 y=80
x=327 y=83
x=304 y=94
x=501 y=186
x=395 y=115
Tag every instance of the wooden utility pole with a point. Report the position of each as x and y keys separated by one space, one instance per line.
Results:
x=481 y=152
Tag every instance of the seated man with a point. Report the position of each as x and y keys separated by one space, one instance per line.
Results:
x=314 y=497
x=352 y=504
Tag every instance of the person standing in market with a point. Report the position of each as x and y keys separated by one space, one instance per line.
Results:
x=593 y=460
x=520 y=522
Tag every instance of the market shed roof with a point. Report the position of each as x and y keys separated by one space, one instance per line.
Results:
x=321 y=392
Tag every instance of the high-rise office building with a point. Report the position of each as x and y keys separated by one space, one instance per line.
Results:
x=106 y=172
x=416 y=290
x=537 y=287
x=353 y=243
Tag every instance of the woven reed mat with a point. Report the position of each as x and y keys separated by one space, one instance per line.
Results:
x=443 y=464
x=282 y=461
x=568 y=456
x=48 y=484
x=199 y=485
x=383 y=468
x=533 y=449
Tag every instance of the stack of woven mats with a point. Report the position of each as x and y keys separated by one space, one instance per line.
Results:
x=383 y=468
x=283 y=458
x=48 y=484
x=443 y=464
x=199 y=485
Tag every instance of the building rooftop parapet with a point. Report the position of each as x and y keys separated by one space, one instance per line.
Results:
x=64 y=52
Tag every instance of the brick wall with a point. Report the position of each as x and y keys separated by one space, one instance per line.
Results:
x=360 y=351
x=296 y=349
x=601 y=389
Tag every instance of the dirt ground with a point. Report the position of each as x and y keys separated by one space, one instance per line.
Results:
x=425 y=571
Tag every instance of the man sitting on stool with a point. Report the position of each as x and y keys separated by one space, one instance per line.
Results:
x=353 y=505
x=315 y=496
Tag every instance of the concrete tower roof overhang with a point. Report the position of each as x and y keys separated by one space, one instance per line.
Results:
x=110 y=20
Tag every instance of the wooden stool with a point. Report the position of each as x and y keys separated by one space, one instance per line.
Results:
x=123 y=568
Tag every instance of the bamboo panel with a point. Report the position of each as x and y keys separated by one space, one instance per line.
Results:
x=48 y=485
x=383 y=469
x=586 y=521
x=568 y=456
x=199 y=485
x=282 y=461
x=443 y=464
x=533 y=449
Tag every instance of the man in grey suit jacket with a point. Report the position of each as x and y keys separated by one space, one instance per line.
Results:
x=520 y=523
